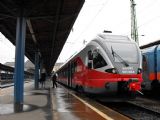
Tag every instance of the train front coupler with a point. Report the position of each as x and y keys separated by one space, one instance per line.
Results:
x=134 y=85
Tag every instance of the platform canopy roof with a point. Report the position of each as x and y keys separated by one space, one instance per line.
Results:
x=49 y=23
x=6 y=68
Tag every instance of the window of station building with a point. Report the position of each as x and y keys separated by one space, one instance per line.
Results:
x=98 y=61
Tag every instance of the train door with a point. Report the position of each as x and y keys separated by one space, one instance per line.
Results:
x=147 y=72
x=69 y=74
x=90 y=60
x=72 y=72
x=145 y=68
x=157 y=60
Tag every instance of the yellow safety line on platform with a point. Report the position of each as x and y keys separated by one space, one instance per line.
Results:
x=93 y=108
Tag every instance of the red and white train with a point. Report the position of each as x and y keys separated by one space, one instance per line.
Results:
x=108 y=64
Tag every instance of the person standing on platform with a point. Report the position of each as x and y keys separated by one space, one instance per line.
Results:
x=54 y=79
x=43 y=79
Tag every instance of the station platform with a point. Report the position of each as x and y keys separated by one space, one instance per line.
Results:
x=53 y=104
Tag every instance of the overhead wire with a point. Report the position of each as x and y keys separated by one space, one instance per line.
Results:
x=87 y=27
x=149 y=21
x=148 y=6
x=92 y=20
x=144 y=10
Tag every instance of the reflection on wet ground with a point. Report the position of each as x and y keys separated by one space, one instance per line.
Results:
x=9 y=108
x=67 y=107
x=36 y=104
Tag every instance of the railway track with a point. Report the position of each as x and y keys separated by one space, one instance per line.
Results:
x=134 y=111
x=9 y=83
x=146 y=103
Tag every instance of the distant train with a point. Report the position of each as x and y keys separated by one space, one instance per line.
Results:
x=7 y=73
x=108 y=64
x=151 y=68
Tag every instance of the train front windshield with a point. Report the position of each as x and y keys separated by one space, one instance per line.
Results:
x=123 y=52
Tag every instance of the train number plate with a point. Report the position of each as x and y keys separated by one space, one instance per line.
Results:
x=128 y=70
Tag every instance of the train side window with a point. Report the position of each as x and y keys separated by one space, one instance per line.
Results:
x=90 y=55
x=98 y=61
x=90 y=59
x=75 y=66
x=144 y=65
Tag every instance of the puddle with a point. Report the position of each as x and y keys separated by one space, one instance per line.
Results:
x=9 y=108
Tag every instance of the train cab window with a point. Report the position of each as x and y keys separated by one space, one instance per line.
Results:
x=90 y=55
x=98 y=61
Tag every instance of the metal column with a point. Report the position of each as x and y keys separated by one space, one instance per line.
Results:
x=19 y=64
x=36 y=70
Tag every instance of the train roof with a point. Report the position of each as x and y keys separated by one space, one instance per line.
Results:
x=103 y=37
x=155 y=43
x=149 y=49
x=114 y=37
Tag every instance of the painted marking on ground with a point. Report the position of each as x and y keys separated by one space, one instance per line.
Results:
x=93 y=108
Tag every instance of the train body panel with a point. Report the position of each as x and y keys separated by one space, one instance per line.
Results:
x=101 y=67
x=158 y=62
x=151 y=67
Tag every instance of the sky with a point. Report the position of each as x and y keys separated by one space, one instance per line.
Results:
x=99 y=15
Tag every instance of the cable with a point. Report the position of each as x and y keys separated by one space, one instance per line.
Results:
x=88 y=26
x=148 y=6
x=149 y=21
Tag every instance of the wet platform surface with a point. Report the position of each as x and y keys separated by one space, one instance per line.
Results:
x=69 y=106
x=53 y=104
x=36 y=106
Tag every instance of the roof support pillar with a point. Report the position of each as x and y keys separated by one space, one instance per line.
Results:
x=19 y=63
x=36 y=84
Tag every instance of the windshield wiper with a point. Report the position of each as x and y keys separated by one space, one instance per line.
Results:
x=119 y=57
x=113 y=53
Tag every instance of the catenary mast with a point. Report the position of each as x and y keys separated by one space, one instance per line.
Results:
x=134 y=29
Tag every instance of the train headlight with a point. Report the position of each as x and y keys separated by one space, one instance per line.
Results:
x=139 y=70
x=134 y=86
x=111 y=70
